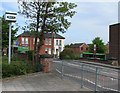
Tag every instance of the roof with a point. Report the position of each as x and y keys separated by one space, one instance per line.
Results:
x=46 y=35
x=76 y=45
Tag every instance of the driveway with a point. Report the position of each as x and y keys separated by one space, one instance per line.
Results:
x=40 y=82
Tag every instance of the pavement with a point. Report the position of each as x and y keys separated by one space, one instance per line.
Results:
x=40 y=82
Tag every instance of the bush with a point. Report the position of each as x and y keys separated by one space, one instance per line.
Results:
x=30 y=54
x=16 y=68
x=67 y=53
x=76 y=57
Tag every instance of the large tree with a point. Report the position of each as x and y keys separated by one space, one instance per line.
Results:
x=47 y=17
x=100 y=47
x=5 y=33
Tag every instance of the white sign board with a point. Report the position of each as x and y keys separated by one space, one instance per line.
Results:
x=10 y=16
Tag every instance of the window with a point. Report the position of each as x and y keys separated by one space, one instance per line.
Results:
x=46 y=50
x=86 y=48
x=59 y=49
x=22 y=40
x=60 y=42
x=56 y=42
x=81 y=48
x=26 y=41
x=46 y=41
x=49 y=50
x=49 y=41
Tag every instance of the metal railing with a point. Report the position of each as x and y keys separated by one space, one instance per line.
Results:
x=94 y=77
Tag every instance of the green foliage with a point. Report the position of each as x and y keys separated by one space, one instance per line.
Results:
x=100 y=47
x=16 y=68
x=66 y=54
x=76 y=57
x=30 y=55
x=5 y=32
x=68 y=46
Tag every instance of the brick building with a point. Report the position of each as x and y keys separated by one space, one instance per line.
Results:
x=114 y=41
x=27 y=39
x=107 y=46
x=78 y=48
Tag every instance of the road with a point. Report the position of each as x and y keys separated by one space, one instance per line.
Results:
x=107 y=77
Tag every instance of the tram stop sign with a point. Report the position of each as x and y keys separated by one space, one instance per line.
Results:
x=10 y=16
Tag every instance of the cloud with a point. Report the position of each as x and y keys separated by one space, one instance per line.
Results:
x=92 y=20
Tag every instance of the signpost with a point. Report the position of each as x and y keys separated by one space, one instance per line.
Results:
x=95 y=50
x=11 y=17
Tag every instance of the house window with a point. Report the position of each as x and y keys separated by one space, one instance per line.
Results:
x=26 y=41
x=56 y=42
x=60 y=42
x=81 y=48
x=46 y=50
x=86 y=48
x=59 y=49
x=22 y=40
x=49 y=50
x=46 y=41
x=49 y=41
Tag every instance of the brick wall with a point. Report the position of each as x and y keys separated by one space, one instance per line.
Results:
x=78 y=50
x=31 y=44
x=114 y=40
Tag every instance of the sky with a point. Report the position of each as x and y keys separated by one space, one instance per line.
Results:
x=91 y=20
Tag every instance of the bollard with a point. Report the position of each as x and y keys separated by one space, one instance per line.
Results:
x=96 y=79
x=82 y=76
x=62 y=73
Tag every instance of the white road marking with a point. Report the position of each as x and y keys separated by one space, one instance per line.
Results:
x=88 y=81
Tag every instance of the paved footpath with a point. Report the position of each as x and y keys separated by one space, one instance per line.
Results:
x=40 y=82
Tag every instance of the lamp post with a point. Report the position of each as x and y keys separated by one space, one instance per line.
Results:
x=10 y=17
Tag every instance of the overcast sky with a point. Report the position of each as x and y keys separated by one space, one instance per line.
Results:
x=91 y=20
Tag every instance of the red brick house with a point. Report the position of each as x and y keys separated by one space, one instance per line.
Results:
x=107 y=46
x=78 y=48
x=27 y=39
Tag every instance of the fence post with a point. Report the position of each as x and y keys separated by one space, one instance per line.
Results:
x=62 y=72
x=96 y=80
x=82 y=76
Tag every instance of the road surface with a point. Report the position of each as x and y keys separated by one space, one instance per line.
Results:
x=107 y=78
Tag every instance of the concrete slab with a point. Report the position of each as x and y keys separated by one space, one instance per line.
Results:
x=40 y=82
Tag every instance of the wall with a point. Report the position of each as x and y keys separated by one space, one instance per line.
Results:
x=57 y=46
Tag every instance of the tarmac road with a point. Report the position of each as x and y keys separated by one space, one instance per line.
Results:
x=107 y=78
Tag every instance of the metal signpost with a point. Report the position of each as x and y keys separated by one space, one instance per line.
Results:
x=11 y=17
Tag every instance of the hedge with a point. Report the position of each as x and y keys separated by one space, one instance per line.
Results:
x=16 y=68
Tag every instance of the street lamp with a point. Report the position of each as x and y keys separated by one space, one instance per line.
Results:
x=10 y=17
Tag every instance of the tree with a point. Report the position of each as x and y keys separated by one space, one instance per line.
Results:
x=68 y=46
x=47 y=17
x=5 y=33
x=67 y=53
x=100 y=47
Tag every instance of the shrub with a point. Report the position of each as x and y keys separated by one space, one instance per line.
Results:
x=30 y=54
x=76 y=57
x=66 y=52
x=16 y=68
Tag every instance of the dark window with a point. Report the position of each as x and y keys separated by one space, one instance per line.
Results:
x=46 y=50
x=81 y=48
x=86 y=48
